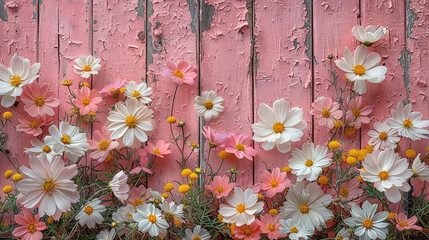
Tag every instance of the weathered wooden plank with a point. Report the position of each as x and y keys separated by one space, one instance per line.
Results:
x=283 y=66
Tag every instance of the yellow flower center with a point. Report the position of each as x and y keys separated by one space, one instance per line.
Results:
x=129 y=215
x=294 y=230
x=87 y=68
x=39 y=101
x=309 y=163
x=271 y=227
x=48 y=186
x=350 y=130
x=152 y=218
x=304 y=209
x=247 y=231
x=112 y=89
x=383 y=136
x=278 y=127
x=178 y=74
x=383 y=175
x=196 y=238
x=240 y=147
x=274 y=183
x=86 y=101
x=137 y=202
x=403 y=224
x=88 y=210
x=157 y=151
x=326 y=113
x=408 y=123
x=31 y=228
x=359 y=69
x=344 y=192
x=367 y=223
x=103 y=145
x=356 y=113
x=66 y=139
x=136 y=94
x=131 y=121
x=208 y=104
x=219 y=189
x=339 y=237
x=15 y=80
x=46 y=149
x=33 y=124
x=241 y=208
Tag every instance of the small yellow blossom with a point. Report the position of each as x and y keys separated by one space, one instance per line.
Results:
x=165 y=195
x=411 y=153
x=7 y=115
x=198 y=170
x=67 y=83
x=350 y=130
x=171 y=120
x=334 y=145
x=17 y=177
x=323 y=180
x=362 y=154
x=273 y=212
x=224 y=154
x=193 y=176
x=351 y=160
x=8 y=173
x=261 y=197
x=391 y=215
x=7 y=189
x=186 y=172
x=360 y=179
x=369 y=148
x=50 y=220
x=113 y=224
x=354 y=153
x=338 y=124
x=286 y=169
x=168 y=187
x=184 y=188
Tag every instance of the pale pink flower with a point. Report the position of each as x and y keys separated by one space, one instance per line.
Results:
x=113 y=89
x=326 y=111
x=215 y=138
x=270 y=225
x=248 y=232
x=119 y=186
x=274 y=182
x=220 y=186
x=182 y=74
x=358 y=113
x=39 y=100
x=403 y=223
x=350 y=190
x=101 y=144
x=30 y=226
x=33 y=125
x=138 y=196
x=240 y=145
x=144 y=160
x=87 y=100
x=160 y=149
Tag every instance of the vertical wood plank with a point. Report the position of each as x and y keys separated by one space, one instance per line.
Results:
x=283 y=66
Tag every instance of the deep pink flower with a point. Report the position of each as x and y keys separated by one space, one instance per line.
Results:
x=403 y=223
x=87 y=100
x=274 y=182
x=182 y=74
x=359 y=112
x=101 y=144
x=30 y=228
x=138 y=196
x=33 y=125
x=39 y=100
x=113 y=89
x=220 y=186
x=326 y=111
x=240 y=145
x=270 y=225
x=144 y=160
x=216 y=139
x=248 y=232
x=160 y=149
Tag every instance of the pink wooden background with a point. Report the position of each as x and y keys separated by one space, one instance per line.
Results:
x=250 y=52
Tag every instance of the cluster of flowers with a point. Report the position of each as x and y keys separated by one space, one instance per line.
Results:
x=328 y=189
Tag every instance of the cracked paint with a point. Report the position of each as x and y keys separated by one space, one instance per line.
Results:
x=3 y=12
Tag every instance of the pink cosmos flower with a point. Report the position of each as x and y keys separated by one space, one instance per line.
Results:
x=403 y=223
x=144 y=160
x=270 y=225
x=350 y=190
x=182 y=74
x=274 y=182
x=248 y=232
x=33 y=126
x=138 y=196
x=239 y=144
x=101 y=144
x=87 y=100
x=160 y=149
x=30 y=228
x=39 y=100
x=113 y=89
x=220 y=186
x=358 y=113
x=326 y=111
x=216 y=139
x=118 y=185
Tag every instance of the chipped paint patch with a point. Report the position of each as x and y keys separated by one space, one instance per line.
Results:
x=140 y=8
x=193 y=9
x=411 y=18
x=150 y=47
x=309 y=36
x=405 y=63
x=207 y=13
x=3 y=12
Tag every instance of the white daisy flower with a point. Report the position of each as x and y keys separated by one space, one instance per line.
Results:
x=361 y=67
x=86 y=65
x=383 y=136
x=40 y=149
x=208 y=105
x=131 y=121
x=67 y=139
x=106 y=235
x=306 y=205
x=118 y=185
x=48 y=185
x=308 y=162
x=279 y=126
x=90 y=214
x=123 y=217
x=420 y=169
x=12 y=79
x=241 y=207
x=295 y=231
x=343 y=234
x=149 y=219
x=368 y=223
x=156 y=196
x=198 y=233
x=171 y=211
x=388 y=172
x=369 y=35
x=408 y=124
x=140 y=92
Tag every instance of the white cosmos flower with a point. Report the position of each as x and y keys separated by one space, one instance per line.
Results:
x=208 y=105
x=69 y=139
x=171 y=210
x=86 y=65
x=361 y=67
x=40 y=149
x=123 y=217
x=306 y=205
x=295 y=231
x=279 y=126
x=198 y=233
x=119 y=186
x=420 y=169
x=369 y=35
x=12 y=79
x=106 y=235
x=150 y=220
x=383 y=136
x=90 y=214
x=139 y=92
x=408 y=124
x=388 y=172
x=343 y=234
x=308 y=162
x=241 y=207
x=156 y=196
x=368 y=223
x=131 y=121
x=48 y=185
